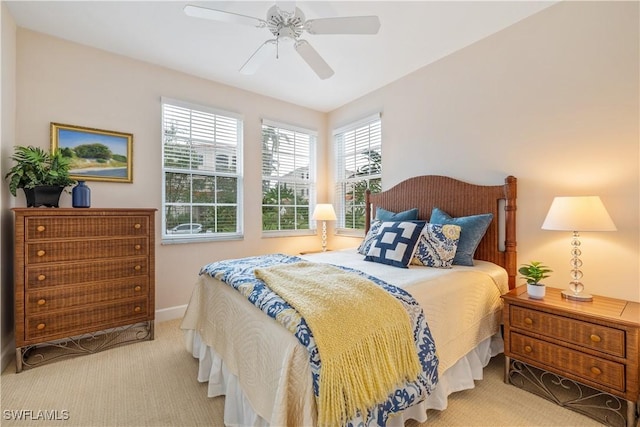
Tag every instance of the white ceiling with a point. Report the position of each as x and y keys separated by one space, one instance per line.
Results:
x=412 y=35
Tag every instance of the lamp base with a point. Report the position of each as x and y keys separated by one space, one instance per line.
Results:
x=568 y=294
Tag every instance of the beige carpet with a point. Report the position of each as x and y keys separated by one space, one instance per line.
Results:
x=154 y=384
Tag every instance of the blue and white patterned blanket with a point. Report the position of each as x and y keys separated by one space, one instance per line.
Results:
x=239 y=273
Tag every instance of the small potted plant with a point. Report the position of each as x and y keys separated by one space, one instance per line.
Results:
x=533 y=273
x=41 y=175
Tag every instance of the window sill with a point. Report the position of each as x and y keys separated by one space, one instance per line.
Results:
x=200 y=239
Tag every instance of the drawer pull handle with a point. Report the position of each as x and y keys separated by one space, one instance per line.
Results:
x=42 y=301
x=137 y=226
x=595 y=370
x=528 y=349
x=40 y=326
x=137 y=309
x=137 y=267
x=137 y=247
x=137 y=288
x=595 y=338
x=528 y=321
x=41 y=277
x=41 y=252
x=41 y=228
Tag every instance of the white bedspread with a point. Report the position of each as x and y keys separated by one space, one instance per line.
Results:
x=462 y=306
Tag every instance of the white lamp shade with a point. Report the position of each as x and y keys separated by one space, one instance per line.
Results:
x=580 y=213
x=324 y=212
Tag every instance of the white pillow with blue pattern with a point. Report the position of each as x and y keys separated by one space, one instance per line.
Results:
x=395 y=243
x=437 y=245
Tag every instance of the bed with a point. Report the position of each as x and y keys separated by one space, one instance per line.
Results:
x=265 y=372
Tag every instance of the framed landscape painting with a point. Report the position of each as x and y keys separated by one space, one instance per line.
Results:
x=96 y=155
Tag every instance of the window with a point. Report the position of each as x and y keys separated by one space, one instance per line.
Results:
x=202 y=181
x=288 y=177
x=358 y=149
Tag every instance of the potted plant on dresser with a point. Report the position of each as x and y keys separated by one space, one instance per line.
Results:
x=42 y=175
x=533 y=273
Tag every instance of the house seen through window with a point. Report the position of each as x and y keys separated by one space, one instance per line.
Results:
x=202 y=179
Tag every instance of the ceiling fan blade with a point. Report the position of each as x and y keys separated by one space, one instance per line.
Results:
x=315 y=61
x=266 y=50
x=223 y=16
x=344 y=25
x=288 y=7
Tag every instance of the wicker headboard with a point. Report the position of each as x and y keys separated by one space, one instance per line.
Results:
x=459 y=198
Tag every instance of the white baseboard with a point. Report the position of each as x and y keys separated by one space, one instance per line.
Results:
x=8 y=352
x=170 y=313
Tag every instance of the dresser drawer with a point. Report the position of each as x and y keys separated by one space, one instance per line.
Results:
x=46 y=275
x=567 y=361
x=69 y=250
x=597 y=337
x=86 y=319
x=45 y=300
x=73 y=227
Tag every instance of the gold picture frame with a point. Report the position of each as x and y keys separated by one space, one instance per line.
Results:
x=97 y=155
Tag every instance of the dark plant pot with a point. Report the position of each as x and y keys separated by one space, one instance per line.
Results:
x=43 y=195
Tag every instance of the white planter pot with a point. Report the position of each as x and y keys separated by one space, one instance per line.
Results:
x=536 y=291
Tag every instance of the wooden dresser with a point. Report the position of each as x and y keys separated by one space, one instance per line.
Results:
x=82 y=276
x=584 y=354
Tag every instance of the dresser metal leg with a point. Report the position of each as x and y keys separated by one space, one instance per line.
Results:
x=18 y=360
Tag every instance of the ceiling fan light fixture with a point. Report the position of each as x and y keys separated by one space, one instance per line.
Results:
x=287 y=23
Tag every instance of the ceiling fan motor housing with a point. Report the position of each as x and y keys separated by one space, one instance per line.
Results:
x=285 y=25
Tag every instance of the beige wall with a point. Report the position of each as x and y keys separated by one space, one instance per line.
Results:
x=552 y=100
x=7 y=136
x=68 y=83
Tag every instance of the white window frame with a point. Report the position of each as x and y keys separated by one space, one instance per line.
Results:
x=167 y=237
x=309 y=180
x=368 y=132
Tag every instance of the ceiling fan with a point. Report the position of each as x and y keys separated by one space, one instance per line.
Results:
x=287 y=23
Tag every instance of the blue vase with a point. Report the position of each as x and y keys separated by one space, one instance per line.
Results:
x=81 y=196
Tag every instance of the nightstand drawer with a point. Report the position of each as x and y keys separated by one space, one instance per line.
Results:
x=597 y=337
x=566 y=361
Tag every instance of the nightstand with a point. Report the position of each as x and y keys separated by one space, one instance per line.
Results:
x=581 y=355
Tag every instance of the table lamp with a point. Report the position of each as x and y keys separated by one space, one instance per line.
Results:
x=580 y=213
x=324 y=212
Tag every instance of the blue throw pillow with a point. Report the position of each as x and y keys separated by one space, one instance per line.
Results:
x=473 y=229
x=385 y=215
x=395 y=243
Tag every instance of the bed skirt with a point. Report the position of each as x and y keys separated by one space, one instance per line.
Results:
x=238 y=410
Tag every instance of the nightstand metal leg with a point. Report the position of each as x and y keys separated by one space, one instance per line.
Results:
x=633 y=413
x=604 y=407
x=507 y=364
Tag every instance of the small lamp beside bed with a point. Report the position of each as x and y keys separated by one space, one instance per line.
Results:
x=324 y=212
x=580 y=213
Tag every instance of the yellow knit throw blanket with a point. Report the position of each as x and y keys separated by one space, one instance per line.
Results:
x=363 y=335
